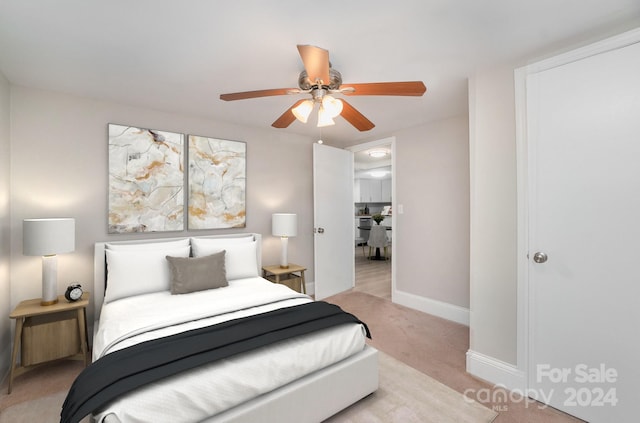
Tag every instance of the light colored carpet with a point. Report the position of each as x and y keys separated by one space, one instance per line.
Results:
x=41 y=410
x=405 y=395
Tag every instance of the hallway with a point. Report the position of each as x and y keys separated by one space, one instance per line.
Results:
x=372 y=276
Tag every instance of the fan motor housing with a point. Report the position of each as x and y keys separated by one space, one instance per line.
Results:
x=335 y=80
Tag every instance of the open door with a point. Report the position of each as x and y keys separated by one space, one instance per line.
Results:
x=333 y=220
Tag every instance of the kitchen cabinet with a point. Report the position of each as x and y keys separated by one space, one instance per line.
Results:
x=372 y=191
x=375 y=186
x=356 y=190
x=367 y=190
x=385 y=190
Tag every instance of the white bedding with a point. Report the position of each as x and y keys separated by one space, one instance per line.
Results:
x=211 y=389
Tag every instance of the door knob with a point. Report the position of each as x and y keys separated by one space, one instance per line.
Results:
x=540 y=257
x=320 y=230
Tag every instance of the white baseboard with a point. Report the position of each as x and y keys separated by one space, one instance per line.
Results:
x=427 y=305
x=495 y=371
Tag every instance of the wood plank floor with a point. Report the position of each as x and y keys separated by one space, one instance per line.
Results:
x=372 y=276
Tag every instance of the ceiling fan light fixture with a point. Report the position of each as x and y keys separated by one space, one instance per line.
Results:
x=303 y=110
x=332 y=106
x=319 y=79
x=324 y=118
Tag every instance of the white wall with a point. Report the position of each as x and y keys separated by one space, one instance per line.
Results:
x=59 y=168
x=5 y=240
x=493 y=214
x=432 y=171
x=432 y=235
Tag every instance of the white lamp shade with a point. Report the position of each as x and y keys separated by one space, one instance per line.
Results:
x=284 y=224
x=303 y=110
x=324 y=118
x=45 y=237
x=332 y=106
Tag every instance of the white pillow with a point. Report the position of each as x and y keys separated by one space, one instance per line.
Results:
x=240 y=259
x=205 y=244
x=139 y=272
x=149 y=245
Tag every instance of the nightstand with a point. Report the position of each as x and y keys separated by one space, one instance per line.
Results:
x=47 y=333
x=292 y=276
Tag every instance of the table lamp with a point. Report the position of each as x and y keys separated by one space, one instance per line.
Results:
x=284 y=225
x=46 y=238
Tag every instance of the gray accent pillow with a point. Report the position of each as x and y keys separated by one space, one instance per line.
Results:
x=190 y=274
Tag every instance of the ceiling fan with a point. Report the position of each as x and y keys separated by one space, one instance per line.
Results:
x=321 y=80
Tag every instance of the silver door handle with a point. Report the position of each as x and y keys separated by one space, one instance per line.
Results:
x=320 y=230
x=540 y=257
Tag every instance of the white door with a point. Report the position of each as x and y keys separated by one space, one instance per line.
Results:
x=333 y=220
x=583 y=123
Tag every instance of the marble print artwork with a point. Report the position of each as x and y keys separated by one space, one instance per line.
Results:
x=217 y=183
x=146 y=180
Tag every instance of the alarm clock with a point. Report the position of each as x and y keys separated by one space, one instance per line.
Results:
x=73 y=293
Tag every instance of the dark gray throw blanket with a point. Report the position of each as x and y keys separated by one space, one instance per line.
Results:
x=130 y=368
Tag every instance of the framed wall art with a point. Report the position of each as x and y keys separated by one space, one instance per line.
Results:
x=217 y=183
x=146 y=180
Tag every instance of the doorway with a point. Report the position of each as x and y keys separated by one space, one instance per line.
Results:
x=373 y=198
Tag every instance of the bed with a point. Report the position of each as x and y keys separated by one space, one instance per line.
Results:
x=301 y=377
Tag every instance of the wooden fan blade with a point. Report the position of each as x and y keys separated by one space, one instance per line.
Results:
x=287 y=117
x=354 y=117
x=409 y=88
x=259 y=93
x=316 y=63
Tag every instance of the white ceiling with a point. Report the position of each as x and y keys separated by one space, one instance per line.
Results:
x=179 y=56
x=364 y=163
x=363 y=160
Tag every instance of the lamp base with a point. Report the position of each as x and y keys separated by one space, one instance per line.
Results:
x=284 y=262
x=49 y=280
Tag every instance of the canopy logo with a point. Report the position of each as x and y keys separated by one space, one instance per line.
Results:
x=587 y=387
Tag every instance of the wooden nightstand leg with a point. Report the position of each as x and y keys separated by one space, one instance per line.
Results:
x=14 y=355
x=82 y=331
x=304 y=285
